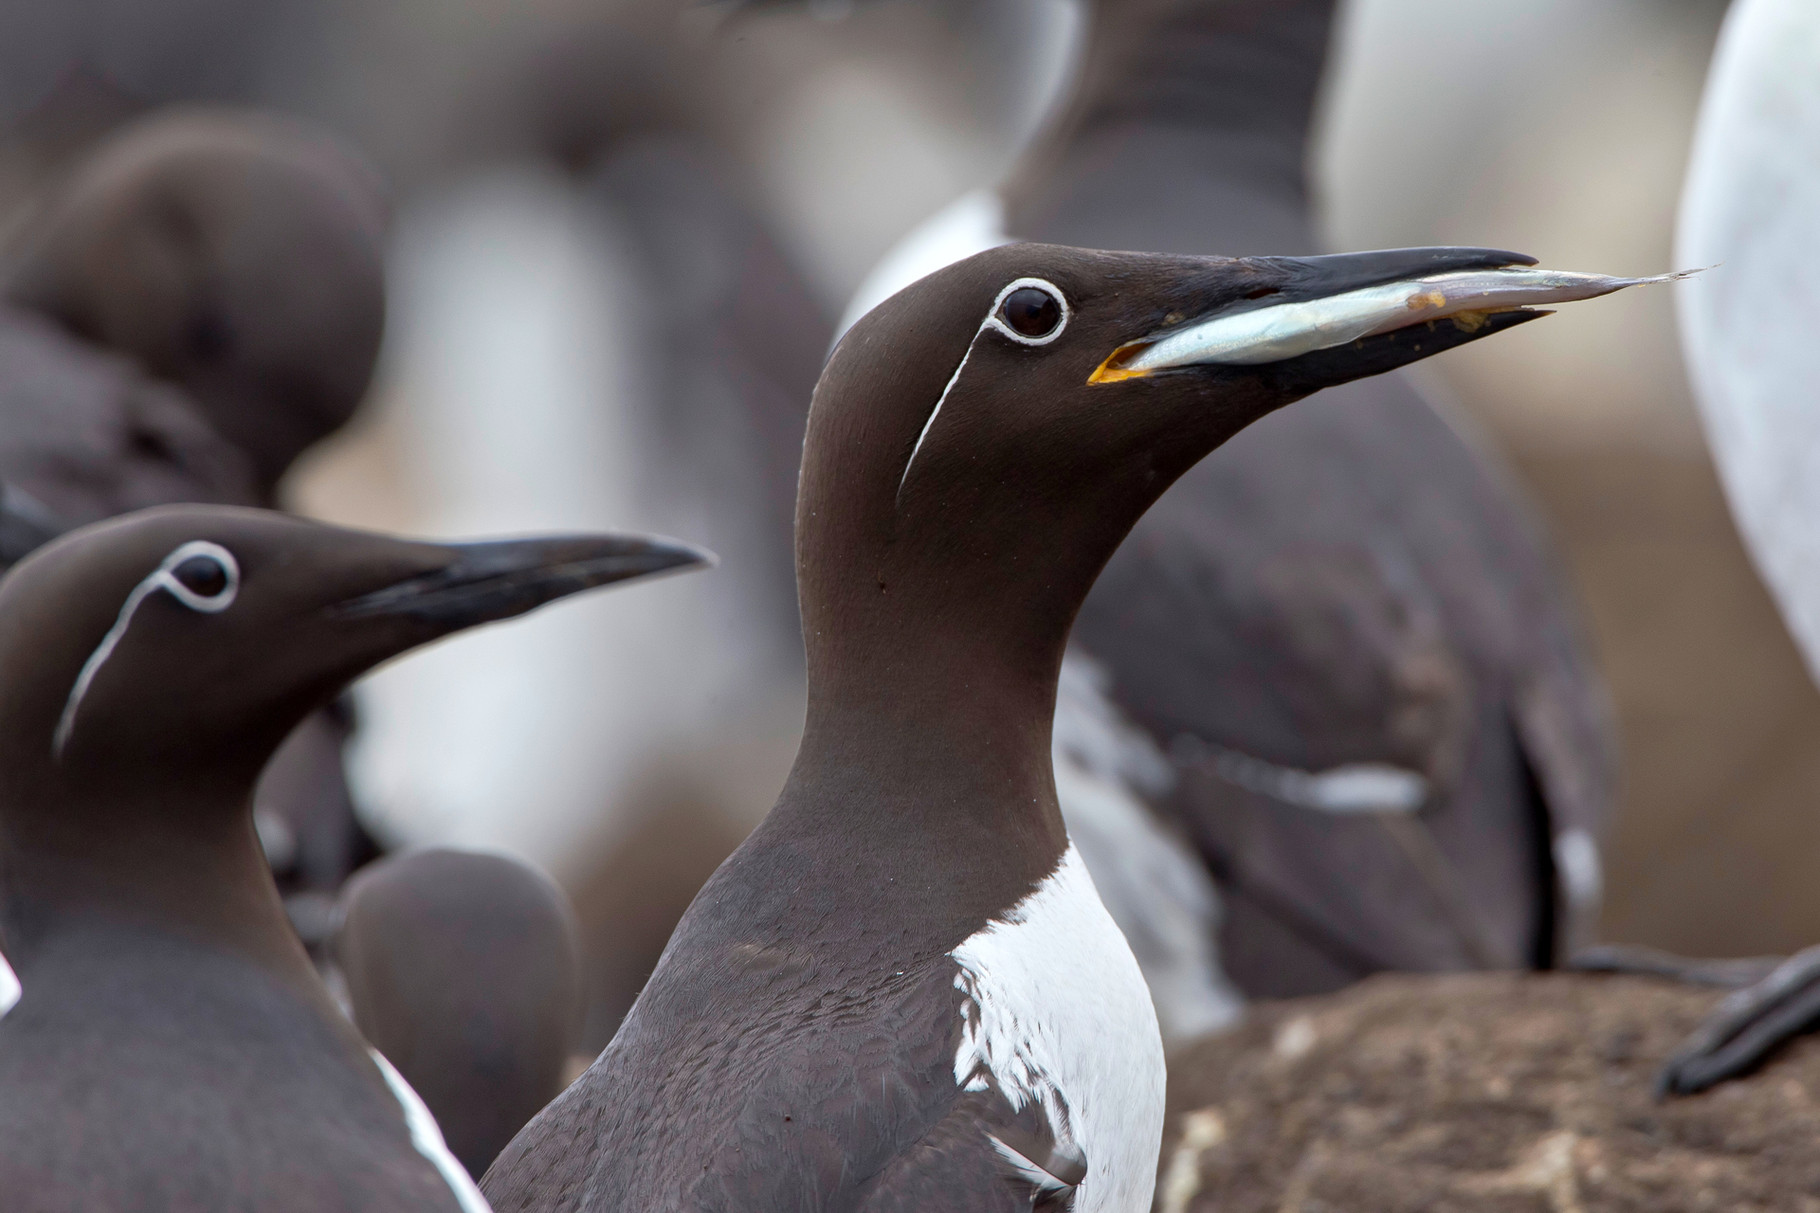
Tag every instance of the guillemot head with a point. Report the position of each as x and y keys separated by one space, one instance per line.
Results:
x=166 y=653
x=981 y=442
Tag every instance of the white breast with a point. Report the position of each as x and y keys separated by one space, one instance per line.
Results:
x=1057 y=1014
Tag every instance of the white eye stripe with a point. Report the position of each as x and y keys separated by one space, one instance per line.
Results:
x=991 y=321
x=161 y=578
x=1042 y=284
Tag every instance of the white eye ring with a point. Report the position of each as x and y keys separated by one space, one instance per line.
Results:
x=166 y=577
x=994 y=321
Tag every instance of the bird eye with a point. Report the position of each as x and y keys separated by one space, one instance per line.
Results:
x=202 y=576
x=1031 y=311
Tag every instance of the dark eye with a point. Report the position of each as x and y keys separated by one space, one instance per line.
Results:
x=202 y=576
x=1032 y=311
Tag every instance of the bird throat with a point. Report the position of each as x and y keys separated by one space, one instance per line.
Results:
x=191 y=870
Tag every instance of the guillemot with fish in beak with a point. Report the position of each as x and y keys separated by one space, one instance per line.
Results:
x=902 y=991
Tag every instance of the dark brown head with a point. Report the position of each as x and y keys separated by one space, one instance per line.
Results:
x=159 y=658
x=981 y=442
x=237 y=255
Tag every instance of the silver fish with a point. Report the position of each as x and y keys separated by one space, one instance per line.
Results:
x=1287 y=330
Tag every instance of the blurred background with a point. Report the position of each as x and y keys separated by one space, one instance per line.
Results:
x=587 y=193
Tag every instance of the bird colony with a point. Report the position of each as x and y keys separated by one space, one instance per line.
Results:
x=1149 y=645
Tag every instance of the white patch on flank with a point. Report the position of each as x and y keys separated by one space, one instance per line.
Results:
x=1577 y=861
x=10 y=989
x=1355 y=787
x=160 y=578
x=428 y=1139
x=1056 y=1014
x=1155 y=887
x=992 y=322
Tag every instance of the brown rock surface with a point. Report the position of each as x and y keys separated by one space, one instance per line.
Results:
x=1487 y=1092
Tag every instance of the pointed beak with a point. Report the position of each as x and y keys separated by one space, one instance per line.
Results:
x=1306 y=305
x=484 y=582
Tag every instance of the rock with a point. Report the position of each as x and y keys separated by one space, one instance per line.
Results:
x=1496 y=1093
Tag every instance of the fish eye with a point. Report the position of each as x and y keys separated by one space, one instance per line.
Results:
x=1030 y=311
x=203 y=576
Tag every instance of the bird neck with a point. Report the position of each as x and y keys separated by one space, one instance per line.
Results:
x=1231 y=84
x=930 y=728
x=190 y=868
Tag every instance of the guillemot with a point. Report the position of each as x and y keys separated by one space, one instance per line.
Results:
x=462 y=968
x=1305 y=732
x=193 y=304
x=172 y=1045
x=902 y=991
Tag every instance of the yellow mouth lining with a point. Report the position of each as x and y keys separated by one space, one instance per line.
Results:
x=1116 y=368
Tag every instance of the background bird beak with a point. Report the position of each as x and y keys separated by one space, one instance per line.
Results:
x=25 y=525
x=1309 y=304
x=499 y=580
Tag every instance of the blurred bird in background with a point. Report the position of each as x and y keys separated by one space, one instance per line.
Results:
x=1751 y=210
x=183 y=311
x=463 y=969
x=606 y=330
x=1344 y=632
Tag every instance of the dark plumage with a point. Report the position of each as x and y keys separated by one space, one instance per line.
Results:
x=1350 y=589
x=1348 y=582
x=88 y=434
x=901 y=992
x=173 y=1046
x=195 y=304
x=462 y=968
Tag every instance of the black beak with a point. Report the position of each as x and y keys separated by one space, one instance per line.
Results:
x=484 y=582
x=1305 y=278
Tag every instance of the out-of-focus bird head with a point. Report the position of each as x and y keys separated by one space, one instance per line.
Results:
x=236 y=254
